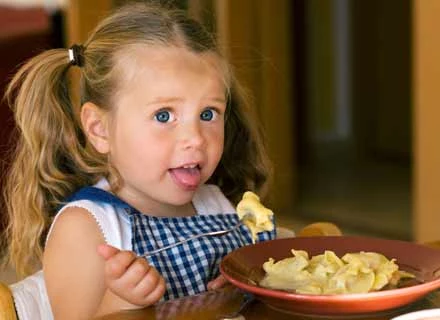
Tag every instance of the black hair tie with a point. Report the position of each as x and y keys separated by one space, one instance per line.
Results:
x=76 y=55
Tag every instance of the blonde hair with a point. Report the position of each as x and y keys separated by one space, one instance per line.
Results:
x=52 y=158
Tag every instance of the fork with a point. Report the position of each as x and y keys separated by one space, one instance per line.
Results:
x=217 y=233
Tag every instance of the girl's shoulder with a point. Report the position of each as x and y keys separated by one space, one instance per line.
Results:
x=111 y=219
x=209 y=199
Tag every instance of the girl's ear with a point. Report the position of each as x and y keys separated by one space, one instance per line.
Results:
x=94 y=122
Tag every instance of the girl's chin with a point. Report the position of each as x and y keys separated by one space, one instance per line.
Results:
x=180 y=196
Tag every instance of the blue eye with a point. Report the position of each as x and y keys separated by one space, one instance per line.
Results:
x=162 y=116
x=207 y=115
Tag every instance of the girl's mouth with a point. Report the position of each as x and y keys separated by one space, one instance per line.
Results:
x=188 y=177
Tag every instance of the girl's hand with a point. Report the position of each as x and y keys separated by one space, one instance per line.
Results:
x=217 y=283
x=131 y=277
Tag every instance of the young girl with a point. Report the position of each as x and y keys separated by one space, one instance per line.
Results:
x=161 y=147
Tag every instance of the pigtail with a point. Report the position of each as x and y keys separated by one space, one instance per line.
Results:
x=49 y=158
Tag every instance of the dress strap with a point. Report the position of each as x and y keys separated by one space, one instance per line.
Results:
x=97 y=194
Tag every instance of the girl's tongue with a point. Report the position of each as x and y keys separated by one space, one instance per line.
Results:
x=187 y=178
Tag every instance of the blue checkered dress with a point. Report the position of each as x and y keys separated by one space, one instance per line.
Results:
x=187 y=268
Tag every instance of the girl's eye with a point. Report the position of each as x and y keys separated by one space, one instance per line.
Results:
x=163 y=116
x=207 y=115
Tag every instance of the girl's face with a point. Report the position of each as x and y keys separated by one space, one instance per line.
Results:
x=167 y=128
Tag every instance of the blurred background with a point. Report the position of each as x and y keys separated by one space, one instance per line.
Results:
x=346 y=91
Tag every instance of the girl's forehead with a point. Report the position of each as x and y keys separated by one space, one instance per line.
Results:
x=154 y=62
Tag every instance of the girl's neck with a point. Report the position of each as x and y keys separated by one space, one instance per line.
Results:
x=172 y=211
x=151 y=208
x=160 y=209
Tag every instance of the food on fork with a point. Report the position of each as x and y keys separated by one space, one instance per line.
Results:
x=326 y=273
x=254 y=214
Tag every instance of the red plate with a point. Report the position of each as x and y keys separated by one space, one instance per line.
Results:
x=243 y=268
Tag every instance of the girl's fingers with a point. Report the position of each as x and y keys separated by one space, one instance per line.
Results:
x=156 y=294
x=107 y=251
x=141 y=284
x=136 y=272
x=117 y=265
x=131 y=277
x=148 y=283
x=218 y=282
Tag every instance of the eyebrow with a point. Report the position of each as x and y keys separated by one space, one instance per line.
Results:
x=217 y=99
x=166 y=100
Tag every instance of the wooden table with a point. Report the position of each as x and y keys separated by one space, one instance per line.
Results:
x=212 y=305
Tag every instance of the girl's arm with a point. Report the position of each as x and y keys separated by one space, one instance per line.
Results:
x=73 y=271
x=75 y=274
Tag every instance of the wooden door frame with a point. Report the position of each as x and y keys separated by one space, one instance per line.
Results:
x=426 y=117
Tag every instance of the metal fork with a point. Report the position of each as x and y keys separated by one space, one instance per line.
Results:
x=196 y=236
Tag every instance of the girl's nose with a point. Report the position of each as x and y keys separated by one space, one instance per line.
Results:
x=191 y=135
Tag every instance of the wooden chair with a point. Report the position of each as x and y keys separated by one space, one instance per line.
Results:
x=7 y=307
